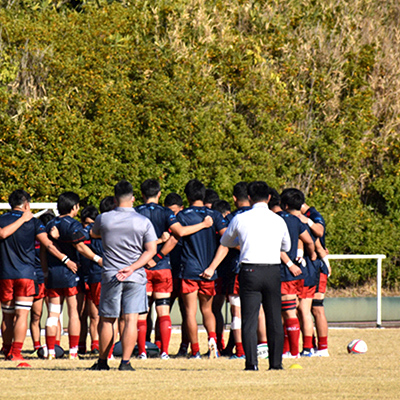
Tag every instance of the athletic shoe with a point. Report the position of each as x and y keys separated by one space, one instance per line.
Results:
x=227 y=352
x=51 y=357
x=212 y=349
x=235 y=357
x=13 y=357
x=73 y=356
x=125 y=367
x=34 y=354
x=322 y=353
x=196 y=356
x=307 y=353
x=181 y=353
x=164 y=356
x=288 y=354
x=142 y=356
x=97 y=367
x=94 y=352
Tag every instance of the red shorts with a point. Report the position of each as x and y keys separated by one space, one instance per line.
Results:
x=65 y=292
x=219 y=286
x=94 y=293
x=159 y=281
x=12 y=288
x=41 y=294
x=292 y=287
x=233 y=286
x=321 y=286
x=308 y=292
x=204 y=287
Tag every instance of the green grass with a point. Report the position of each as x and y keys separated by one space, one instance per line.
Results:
x=373 y=375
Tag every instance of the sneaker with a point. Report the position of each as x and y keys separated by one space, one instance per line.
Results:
x=307 y=353
x=164 y=356
x=94 y=352
x=196 y=356
x=51 y=357
x=212 y=349
x=182 y=351
x=73 y=356
x=98 y=367
x=235 y=357
x=322 y=353
x=125 y=367
x=288 y=354
x=142 y=356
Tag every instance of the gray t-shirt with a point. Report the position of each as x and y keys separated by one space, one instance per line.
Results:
x=123 y=232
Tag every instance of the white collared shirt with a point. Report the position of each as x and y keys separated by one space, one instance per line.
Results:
x=261 y=234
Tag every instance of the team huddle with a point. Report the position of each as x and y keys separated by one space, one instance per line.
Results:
x=112 y=266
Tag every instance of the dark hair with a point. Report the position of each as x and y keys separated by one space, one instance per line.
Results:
x=240 y=191
x=18 y=198
x=123 y=189
x=89 y=212
x=150 y=188
x=275 y=199
x=107 y=204
x=211 y=196
x=195 y=190
x=258 y=191
x=222 y=206
x=66 y=202
x=292 y=198
x=173 y=199
x=47 y=217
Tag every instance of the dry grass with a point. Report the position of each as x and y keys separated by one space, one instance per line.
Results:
x=370 y=376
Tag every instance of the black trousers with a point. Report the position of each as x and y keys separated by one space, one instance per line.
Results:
x=261 y=284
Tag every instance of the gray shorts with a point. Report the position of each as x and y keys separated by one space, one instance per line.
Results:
x=122 y=297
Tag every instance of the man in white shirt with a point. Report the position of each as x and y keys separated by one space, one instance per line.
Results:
x=261 y=235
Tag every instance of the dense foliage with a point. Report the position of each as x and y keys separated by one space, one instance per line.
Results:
x=295 y=92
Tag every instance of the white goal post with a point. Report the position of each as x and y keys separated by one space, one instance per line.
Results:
x=379 y=258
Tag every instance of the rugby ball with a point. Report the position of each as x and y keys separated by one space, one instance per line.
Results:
x=262 y=350
x=43 y=352
x=151 y=349
x=357 y=346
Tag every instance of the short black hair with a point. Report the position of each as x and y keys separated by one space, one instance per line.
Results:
x=275 y=199
x=211 y=196
x=123 y=189
x=18 y=198
x=173 y=199
x=222 y=206
x=150 y=188
x=66 y=202
x=107 y=204
x=47 y=217
x=195 y=190
x=89 y=212
x=258 y=191
x=240 y=191
x=292 y=198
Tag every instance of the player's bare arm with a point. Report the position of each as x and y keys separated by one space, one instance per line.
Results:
x=293 y=268
x=309 y=246
x=221 y=253
x=316 y=228
x=47 y=244
x=88 y=253
x=179 y=231
x=150 y=250
x=10 y=229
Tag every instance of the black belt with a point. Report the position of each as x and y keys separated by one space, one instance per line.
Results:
x=258 y=265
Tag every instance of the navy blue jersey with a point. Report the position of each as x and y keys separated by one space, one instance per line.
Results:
x=60 y=276
x=93 y=270
x=17 y=252
x=199 y=249
x=161 y=218
x=295 y=228
x=317 y=218
x=313 y=267
x=175 y=259
x=230 y=264
x=38 y=264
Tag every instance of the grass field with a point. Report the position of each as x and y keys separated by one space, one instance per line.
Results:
x=374 y=375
